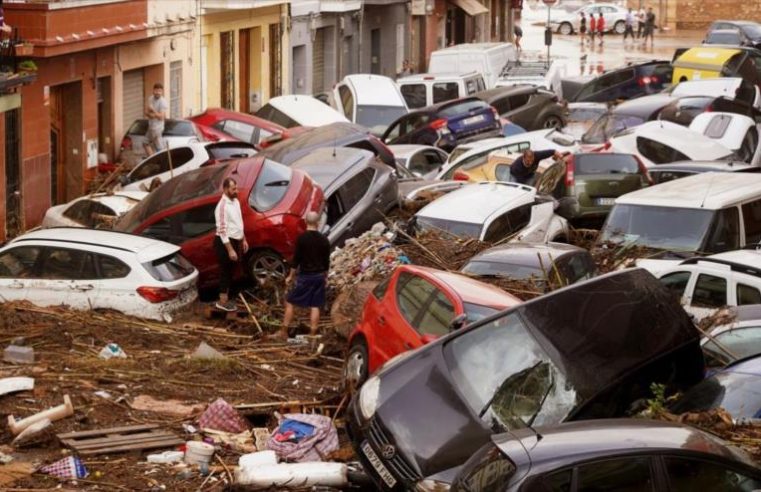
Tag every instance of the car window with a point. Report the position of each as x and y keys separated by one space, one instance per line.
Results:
x=623 y=474
x=242 y=131
x=659 y=176
x=412 y=294
x=579 y=267
x=355 y=188
x=724 y=232
x=657 y=152
x=502 y=105
x=437 y=316
x=740 y=342
x=89 y=213
x=470 y=87
x=587 y=164
x=414 y=95
x=226 y=151
x=556 y=482
x=169 y=268
x=269 y=112
x=178 y=128
x=508 y=223
x=424 y=162
x=717 y=127
x=445 y=91
x=480 y=84
x=183 y=225
x=111 y=267
x=335 y=209
x=347 y=101
x=161 y=163
x=752 y=221
x=518 y=100
x=747 y=295
x=380 y=290
x=435 y=159
x=19 y=262
x=688 y=474
x=68 y=264
x=615 y=78
x=676 y=282
x=394 y=131
x=710 y=291
x=270 y=187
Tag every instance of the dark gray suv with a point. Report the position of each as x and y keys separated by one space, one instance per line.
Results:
x=531 y=107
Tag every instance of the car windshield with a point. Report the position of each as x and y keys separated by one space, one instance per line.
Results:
x=752 y=30
x=270 y=187
x=737 y=393
x=377 y=118
x=585 y=114
x=169 y=268
x=679 y=229
x=717 y=37
x=608 y=126
x=461 y=108
x=178 y=128
x=508 y=392
x=501 y=269
x=453 y=227
x=586 y=164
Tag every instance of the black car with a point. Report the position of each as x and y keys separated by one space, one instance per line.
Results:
x=332 y=135
x=446 y=125
x=629 y=82
x=528 y=106
x=609 y=455
x=585 y=351
x=748 y=32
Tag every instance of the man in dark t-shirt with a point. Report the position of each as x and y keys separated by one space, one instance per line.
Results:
x=523 y=169
x=310 y=266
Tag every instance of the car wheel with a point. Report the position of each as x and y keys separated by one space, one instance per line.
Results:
x=565 y=28
x=552 y=121
x=619 y=27
x=356 y=366
x=265 y=266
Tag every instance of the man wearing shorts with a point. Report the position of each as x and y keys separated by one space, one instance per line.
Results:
x=155 y=111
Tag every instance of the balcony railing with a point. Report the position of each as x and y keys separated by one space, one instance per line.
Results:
x=16 y=69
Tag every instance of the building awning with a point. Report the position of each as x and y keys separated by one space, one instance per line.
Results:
x=471 y=7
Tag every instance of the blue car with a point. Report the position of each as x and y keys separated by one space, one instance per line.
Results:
x=629 y=82
x=446 y=125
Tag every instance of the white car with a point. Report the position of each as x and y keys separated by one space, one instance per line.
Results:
x=476 y=153
x=423 y=161
x=488 y=59
x=736 y=132
x=373 y=101
x=491 y=212
x=95 y=269
x=176 y=133
x=663 y=142
x=92 y=211
x=299 y=110
x=730 y=87
x=706 y=284
x=614 y=15
x=167 y=164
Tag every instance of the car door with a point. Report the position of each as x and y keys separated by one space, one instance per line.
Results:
x=66 y=276
x=689 y=473
x=18 y=271
x=358 y=214
x=623 y=473
x=708 y=293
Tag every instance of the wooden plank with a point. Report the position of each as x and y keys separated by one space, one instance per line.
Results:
x=119 y=440
x=112 y=437
x=133 y=447
x=113 y=430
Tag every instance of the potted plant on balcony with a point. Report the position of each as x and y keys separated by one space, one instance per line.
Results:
x=27 y=67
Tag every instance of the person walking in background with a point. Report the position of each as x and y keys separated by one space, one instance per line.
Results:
x=229 y=243
x=518 y=32
x=583 y=28
x=155 y=111
x=629 y=29
x=641 y=15
x=592 y=29
x=310 y=265
x=601 y=27
x=649 y=27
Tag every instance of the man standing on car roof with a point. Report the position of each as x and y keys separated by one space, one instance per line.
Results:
x=230 y=242
x=310 y=265
x=155 y=111
x=523 y=169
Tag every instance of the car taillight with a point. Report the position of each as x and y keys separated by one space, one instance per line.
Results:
x=157 y=294
x=709 y=108
x=603 y=147
x=570 y=168
x=439 y=124
x=652 y=79
x=460 y=176
x=126 y=143
x=643 y=170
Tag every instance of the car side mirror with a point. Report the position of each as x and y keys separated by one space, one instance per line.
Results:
x=458 y=322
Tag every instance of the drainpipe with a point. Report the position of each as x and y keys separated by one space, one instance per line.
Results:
x=360 y=19
x=201 y=60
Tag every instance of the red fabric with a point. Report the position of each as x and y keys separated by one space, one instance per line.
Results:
x=221 y=416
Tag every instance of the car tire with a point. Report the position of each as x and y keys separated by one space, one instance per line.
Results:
x=265 y=266
x=565 y=29
x=619 y=27
x=552 y=121
x=356 y=365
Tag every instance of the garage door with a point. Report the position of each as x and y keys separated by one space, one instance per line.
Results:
x=318 y=62
x=133 y=97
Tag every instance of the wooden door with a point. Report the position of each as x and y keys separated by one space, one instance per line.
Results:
x=244 y=62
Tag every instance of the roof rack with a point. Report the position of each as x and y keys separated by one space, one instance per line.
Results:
x=525 y=68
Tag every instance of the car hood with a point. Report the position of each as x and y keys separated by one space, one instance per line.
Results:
x=596 y=332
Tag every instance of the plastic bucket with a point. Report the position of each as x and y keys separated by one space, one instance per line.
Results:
x=197 y=452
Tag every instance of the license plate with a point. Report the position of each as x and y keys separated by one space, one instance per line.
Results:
x=473 y=119
x=385 y=475
x=605 y=201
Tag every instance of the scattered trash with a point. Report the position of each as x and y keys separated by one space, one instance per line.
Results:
x=242 y=442
x=304 y=437
x=104 y=394
x=112 y=351
x=15 y=471
x=166 y=457
x=119 y=439
x=5 y=458
x=71 y=467
x=15 y=384
x=38 y=432
x=259 y=458
x=261 y=436
x=220 y=415
x=190 y=429
x=299 y=340
x=170 y=407
x=52 y=414
x=17 y=354
x=206 y=351
x=293 y=475
x=197 y=452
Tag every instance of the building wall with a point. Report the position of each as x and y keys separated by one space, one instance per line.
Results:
x=386 y=18
x=698 y=14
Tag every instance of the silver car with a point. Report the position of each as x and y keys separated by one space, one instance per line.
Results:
x=176 y=133
x=615 y=18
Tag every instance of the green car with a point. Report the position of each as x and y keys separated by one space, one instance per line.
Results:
x=590 y=183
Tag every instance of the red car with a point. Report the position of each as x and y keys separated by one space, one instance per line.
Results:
x=414 y=306
x=274 y=200
x=241 y=126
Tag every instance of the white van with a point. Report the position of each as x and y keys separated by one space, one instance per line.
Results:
x=301 y=110
x=488 y=59
x=425 y=89
x=373 y=101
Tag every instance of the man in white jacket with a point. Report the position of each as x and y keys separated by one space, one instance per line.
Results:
x=230 y=243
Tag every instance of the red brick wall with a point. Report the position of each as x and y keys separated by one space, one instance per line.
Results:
x=698 y=14
x=2 y=176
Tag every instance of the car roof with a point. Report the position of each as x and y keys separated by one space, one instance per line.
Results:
x=727 y=85
x=435 y=108
x=118 y=201
x=420 y=77
x=749 y=257
x=704 y=166
x=497 y=142
x=697 y=145
x=490 y=94
x=311 y=111
x=475 y=203
x=528 y=254
x=469 y=289
x=145 y=248
x=644 y=106
x=375 y=90
x=572 y=441
x=327 y=164
x=406 y=150
x=222 y=114
x=710 y=190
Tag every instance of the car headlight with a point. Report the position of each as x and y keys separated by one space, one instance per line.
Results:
x=368 y=397
x=431 y=486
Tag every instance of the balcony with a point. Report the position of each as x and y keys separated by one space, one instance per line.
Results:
x=15 y=67
x=211 y=6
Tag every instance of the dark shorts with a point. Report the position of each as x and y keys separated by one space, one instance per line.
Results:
x=309 y=290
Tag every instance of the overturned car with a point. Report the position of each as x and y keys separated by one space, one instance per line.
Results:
x=586 y=351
